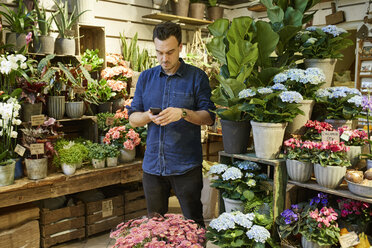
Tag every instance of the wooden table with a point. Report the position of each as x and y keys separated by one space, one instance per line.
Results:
x=25 y=190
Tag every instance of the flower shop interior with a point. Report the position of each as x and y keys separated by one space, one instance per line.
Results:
x=287 y=162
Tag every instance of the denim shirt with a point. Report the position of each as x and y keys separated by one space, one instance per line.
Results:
x=173 y=149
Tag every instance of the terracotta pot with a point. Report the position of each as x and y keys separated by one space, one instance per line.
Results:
x=215 y=13
x=181 y=8
x=197 y=10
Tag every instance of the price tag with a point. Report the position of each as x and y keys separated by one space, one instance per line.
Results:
x=330 y=136
x=79 y=90
x=20 y=150
x=37 y=148
x=37 y=120
x=345 y=136
x=110 y=121
x=107 y=208
x=349 y=240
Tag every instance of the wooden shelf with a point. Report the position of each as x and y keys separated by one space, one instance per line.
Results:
x=365 y=76
x=66 y=59
x=57 y=184
x=252 y=157
x=181 y=19
x=340 y=191
x=366 y=58
x=84 y=117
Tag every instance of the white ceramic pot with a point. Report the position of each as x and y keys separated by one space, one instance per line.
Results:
x=112 y=162
x=7 y=173
x=36 y=168
x=268 y=138
x=299 y=171
x=88 y=16
x=233 y=205
x=309 y=244
x=340 y=123
x=326 y=65
x=353 y=155
x=68 y=169
x=297 y=126
x=98 y=163
x=127 y=155
x=330 y=176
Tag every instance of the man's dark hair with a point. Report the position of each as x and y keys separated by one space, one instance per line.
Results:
x=164 y=30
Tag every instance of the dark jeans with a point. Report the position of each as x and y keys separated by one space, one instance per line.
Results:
x=187 y=188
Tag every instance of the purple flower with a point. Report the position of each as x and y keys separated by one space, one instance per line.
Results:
x=289 y=216
x=367 y=103
x=320 y=198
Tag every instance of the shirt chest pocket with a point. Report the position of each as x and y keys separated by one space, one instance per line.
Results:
x=182 y=100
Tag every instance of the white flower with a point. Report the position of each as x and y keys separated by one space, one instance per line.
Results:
x=218 y=169
x=367 y=85
x=311 y=40
x=258 y=233
x=5 y=67
x=265 y=90
x=246 y=93
x=21 y=58
x=357 y=100
x=23 y=66
x=291 y=97
x=69 y=145
x=322 y=93
x=224 y=222
x=232 y=173
x=251 y=183
x=16 y=122
x=280 y=78
x=295 y=74
x=242 y=220
x=337 y=94
x=278 y=86
x=312 y=28
x=13 y=134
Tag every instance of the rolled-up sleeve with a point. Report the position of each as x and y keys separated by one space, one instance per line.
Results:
x=203 y=92
x=137 y=103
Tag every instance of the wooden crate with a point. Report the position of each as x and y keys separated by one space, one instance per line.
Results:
x=61 y=225
x=104 y=214
x=134 y=204
x=17 y=215
x=25 y=236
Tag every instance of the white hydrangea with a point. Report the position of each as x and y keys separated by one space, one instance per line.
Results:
x=278 y=86
x=224 y=222
x=322 y=93
x=357 y=100
x=280 y=77
x=265 y=90
x=218 y=169
x=258 y=233
x=242 y=220
x=246 y=93
x=291 y=97
x=311 y=40
x=232 y=173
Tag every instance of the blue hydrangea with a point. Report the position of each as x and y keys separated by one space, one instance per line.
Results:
x=249 y=175
x=242 y=220
x=246 y=93
x=333 y=30
x=280 y=78
x=357 y=100
x=247 y=165
x=354 y=91
x=265 y=90
x=367 y=85
x=291 y=97
x=278 y=86
x=250 y=216
x=322 y=93
x=295 y=74
x=224 y=222
x=258 y=233
x=312 y=28
x=337 y=94
x=232 y=173
x=218 y=169
x=251 y=183
x=313 y=76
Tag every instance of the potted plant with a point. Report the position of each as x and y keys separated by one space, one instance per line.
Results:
x=170 y=230
x=240 y=230
x=86 y=7
x=340 y=105
x=37 y=164
x=238 y=183
x=180 y=7
x=314 y=130
x=112 y=154
x=355 y=140
x=270 y=109
x=97 y=154
x=9 y=113
x=237 y=62
x=43 y=42
x=306 y=82
x=321 y=47
x=124 y=138
x=102 y=124
x=298 y=156
x=197 y=8
x=20 y=23
x=70 y=156
x=92 y=62
x=354 y=215
x=214 y=12
x=330 y=162
x=65 y=44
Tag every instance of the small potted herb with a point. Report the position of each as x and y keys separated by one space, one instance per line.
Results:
x=112 y=154
x=70 y=155
x=97 y=154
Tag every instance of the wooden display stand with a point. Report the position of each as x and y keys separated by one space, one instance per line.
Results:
x=85 y=127
x=134 y=204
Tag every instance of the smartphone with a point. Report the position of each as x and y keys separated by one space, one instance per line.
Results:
x=155 y=111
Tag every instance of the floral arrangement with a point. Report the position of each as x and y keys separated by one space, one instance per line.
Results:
x=172 y=230
x=321 y=226
x=322 y=43
x=273 y=104
x=238 y=181
x=355 y=212
x=306 y=82
x=353 y=137
x=330 y=153
x=114 y=59
x=296 y=149
x=314 y=130
x=9 y=120
x=122 y=137
x=340 y=103
x=236 y=229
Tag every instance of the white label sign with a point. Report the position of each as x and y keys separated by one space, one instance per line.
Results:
x=37 y=120
x=330 y=136
x=349 y=240
x=37 y=148
x=20 y=150
x=107 y=208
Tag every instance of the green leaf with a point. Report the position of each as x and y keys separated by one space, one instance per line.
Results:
x=231 y=86
x=239 y=55
x=237 y=243
x=268 y=3
x=275 y=14
x=248 y=194
x=267 y=40
x=219 y=27
x=217 y=48
x=293 y=17
x=239 y=29
x=300 y=5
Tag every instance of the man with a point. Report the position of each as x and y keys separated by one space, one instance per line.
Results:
x=173 y=157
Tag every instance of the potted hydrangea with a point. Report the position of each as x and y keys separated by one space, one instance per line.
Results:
x=306 y=82
x=321 y=47
x=270 y=109
x=355 y=140
x=298 y=156
x=236 y=229
x=341 y=105
x=238 y=183
x=330 y=162
x=314 y=130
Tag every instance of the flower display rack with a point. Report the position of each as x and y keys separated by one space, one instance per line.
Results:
x=61 y=225
x=85 y=127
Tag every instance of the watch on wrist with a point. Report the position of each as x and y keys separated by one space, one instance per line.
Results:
x=184 y=113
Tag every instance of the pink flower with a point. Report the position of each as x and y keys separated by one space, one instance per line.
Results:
x=128 y=144
x=29 y=38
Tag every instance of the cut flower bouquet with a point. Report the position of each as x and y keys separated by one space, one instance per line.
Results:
x=172 y=230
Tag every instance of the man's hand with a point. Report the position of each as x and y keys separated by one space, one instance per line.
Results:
x=167 y=116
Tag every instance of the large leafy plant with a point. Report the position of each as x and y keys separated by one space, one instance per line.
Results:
x=19 y=21
x=91 y=59
x=44 y=22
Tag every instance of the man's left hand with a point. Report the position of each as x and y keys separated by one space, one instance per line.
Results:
x=168 y=115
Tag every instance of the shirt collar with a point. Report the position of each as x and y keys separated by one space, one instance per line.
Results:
x=179 y=72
